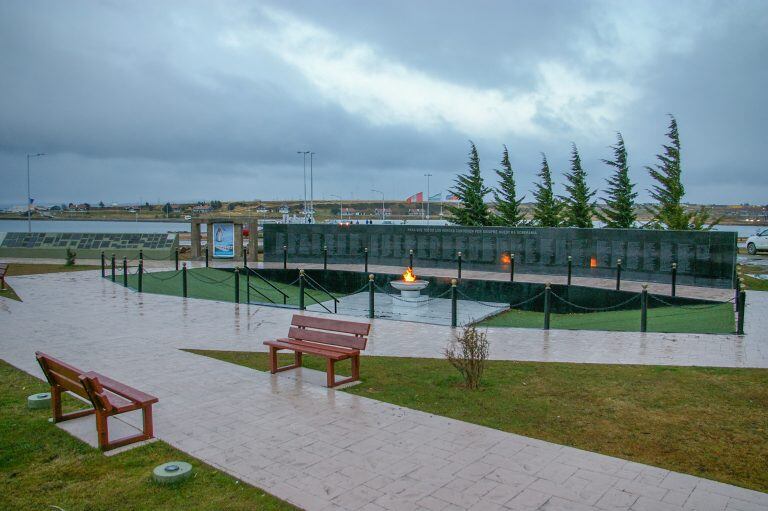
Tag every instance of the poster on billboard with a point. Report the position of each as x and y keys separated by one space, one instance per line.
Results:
x=224 y=240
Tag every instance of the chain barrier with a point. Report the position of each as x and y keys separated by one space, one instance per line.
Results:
x=691 y=306
x=396 y=297
x=208 y=280
x=596 y=309
x=497 y=305
x=175 y=274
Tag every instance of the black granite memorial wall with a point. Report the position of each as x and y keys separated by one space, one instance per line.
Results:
x=702 y=258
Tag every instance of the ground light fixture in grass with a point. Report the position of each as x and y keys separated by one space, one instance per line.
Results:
x=41 y=466
x=709 y=422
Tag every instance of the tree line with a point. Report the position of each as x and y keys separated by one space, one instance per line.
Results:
x=577 y=207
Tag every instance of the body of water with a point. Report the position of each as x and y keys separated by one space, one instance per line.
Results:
x=162 y=227
x=93 y=226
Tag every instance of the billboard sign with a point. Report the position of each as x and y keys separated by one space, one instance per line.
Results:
x=224 y=240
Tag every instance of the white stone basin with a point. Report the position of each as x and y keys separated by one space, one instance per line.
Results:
x=416 y=285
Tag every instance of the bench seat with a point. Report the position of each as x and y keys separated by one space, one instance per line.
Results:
x=331 y=339
x=107 y=396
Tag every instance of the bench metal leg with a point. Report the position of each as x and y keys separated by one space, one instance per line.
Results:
x=273 y=367
x=331 y=373
x=58 y=416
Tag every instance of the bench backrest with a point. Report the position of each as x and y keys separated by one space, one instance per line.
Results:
x=96 y=392
x=347 y=334
x=61 y=374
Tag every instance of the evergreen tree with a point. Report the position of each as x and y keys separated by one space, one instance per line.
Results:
x=577 y=206
x=470 y=190
x=546 y=210
x=619 y=209
x=505 y=196
x=669 y=191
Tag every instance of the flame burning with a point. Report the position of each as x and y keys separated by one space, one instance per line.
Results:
x=593 y=262
x=409 y=276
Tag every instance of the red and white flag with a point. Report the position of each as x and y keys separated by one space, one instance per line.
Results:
x=416 y=197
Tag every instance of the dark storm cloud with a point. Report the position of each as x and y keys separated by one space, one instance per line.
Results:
x=195 y=100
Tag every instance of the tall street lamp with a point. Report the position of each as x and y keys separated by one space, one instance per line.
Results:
x=427 y=176
x=382 y=202
x=341 y=208
x=29 y=194
x=304 y=155
x=311 y=185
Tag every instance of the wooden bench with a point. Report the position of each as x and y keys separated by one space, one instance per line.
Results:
x=3 y=271
x=329 y=338
x=108 y=397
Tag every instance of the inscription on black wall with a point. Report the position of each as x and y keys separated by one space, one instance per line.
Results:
x=703 y=258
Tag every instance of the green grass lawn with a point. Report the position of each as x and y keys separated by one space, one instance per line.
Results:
x=708 y=422
x=15 y=269
x=702 y=319
x=213 y=284
x=752 y=283
x=41 y=466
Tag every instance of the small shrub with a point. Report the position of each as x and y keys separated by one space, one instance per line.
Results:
x=71 y=254
x=469 y=353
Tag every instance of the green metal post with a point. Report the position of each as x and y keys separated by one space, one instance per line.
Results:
x=458 y=263
x=454 y=302
x=674 y=278
x=644 y=309
x=103 y=266
x=206 y=256
x=285 y=257
x=570 y=269
x=141 y=256
x=618 y=275
x=176 y=256
x=245 y=258
x=547 y=305
x=113 y=267
x=141 y=276
x=125 y=271
x=325 y=257
x=410 y=259
x=511 y=267
x=247 y=285
x=237 y=285
x=365 y=254
x=371 y=288
x=301 y=290
x=184 y=280
x=742 y=310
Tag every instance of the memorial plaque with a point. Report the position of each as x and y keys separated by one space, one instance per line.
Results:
x=705 y=258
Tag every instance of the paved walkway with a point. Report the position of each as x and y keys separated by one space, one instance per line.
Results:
x=319 y=449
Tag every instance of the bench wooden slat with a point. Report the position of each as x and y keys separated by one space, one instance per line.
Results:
x=334 y=325
x=122 y=390
x=348 y=341
x=312 y=350
x=328 y=347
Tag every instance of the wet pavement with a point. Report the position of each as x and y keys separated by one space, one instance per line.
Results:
x=323 y=449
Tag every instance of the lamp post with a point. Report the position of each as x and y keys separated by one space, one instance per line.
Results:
x=311 y=187
x=304 y=156
x=29 y=194
x=382 y=202
x=341 y=208
x=427 y=176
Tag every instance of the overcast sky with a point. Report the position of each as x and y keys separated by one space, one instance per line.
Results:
x=185 y=100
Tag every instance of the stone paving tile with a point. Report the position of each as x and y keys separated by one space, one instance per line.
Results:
x=317 y=448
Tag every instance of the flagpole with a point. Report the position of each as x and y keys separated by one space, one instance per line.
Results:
x=427 y=176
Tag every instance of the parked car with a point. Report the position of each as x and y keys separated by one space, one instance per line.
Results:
x=757 y=242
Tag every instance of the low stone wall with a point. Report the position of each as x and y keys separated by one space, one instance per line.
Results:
x=88 y=245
